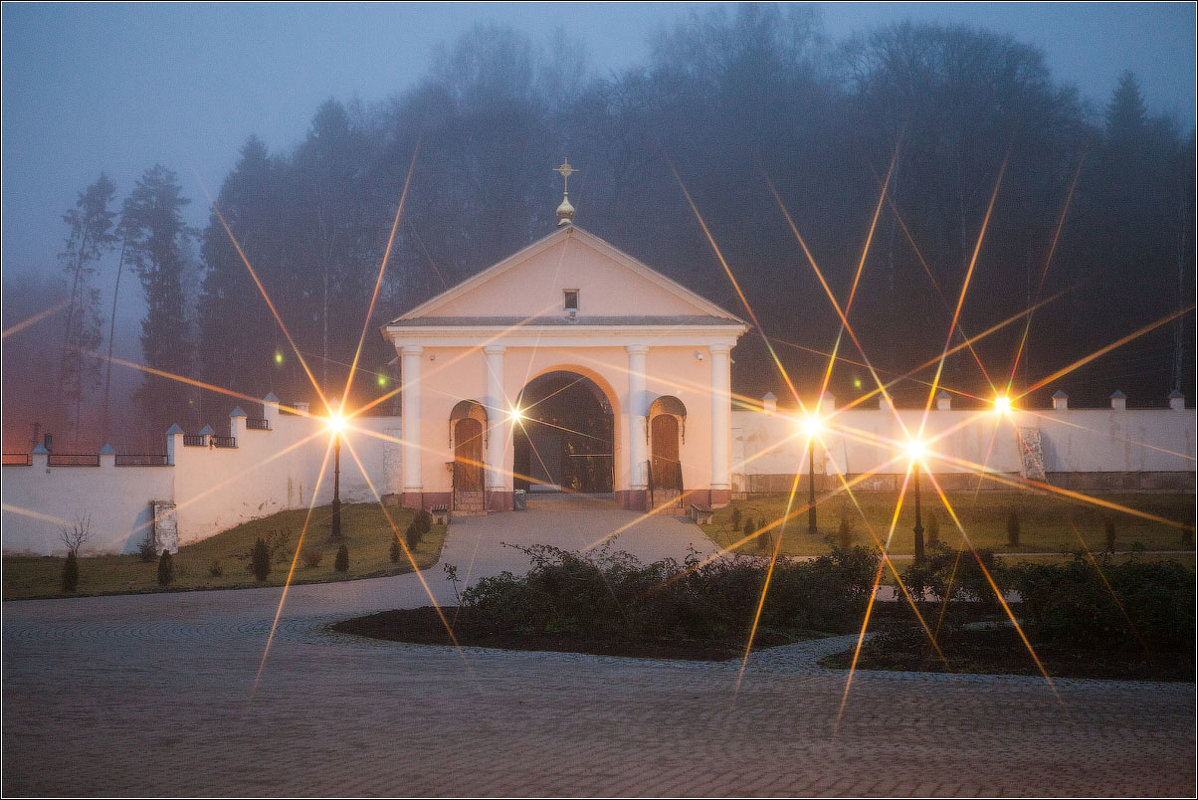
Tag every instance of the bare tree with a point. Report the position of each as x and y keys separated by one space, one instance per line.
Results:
x=77 y=534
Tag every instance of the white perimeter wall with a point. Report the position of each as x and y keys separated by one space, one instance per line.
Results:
x=216 y=488
x=212 y=488
x=874 y=440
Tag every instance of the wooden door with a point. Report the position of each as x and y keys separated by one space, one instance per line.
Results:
x=666 y=466
x=468 y=466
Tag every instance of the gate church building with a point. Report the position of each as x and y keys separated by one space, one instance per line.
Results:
x=568 y=365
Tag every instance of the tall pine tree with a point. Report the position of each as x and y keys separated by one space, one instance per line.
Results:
x=157 y=246
x=90 y=237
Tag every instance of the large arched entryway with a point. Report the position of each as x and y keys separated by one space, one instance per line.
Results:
x=564 y=438
x=667 y=431
x=467 y=422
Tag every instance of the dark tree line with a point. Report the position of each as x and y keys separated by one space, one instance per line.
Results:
x=1093 y=213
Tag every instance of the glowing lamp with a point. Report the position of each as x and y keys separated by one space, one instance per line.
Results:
x=1002 y=404
x=382 y=380
x=516 y=415
x=278 y=358
x=916 y=450
x=812 y=425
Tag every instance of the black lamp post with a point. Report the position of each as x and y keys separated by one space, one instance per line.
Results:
x=919 y=554
x=811 y=528
x=335 y=531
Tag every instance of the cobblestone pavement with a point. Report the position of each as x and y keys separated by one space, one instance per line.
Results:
x=164 y=695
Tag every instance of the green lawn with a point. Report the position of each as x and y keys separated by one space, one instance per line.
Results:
x=1047 y=524
x=367 y=533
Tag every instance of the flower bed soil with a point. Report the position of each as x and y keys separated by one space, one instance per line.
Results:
x=997 y=651
x=425 y=626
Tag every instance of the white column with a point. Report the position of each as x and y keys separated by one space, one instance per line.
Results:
x=410 y=400
x=637 y=356
x=721 y=416
x=497 y=418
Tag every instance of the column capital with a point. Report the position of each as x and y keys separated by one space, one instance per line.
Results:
x=637 y=348
x=411 y=349
x=719 y=347
x=495 y=349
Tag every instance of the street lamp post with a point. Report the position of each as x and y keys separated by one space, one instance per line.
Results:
x=336 y=425
x=335 y=533
x=919 y=553
x=811 y=528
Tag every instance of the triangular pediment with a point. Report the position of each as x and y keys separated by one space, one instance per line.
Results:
x=532 y=285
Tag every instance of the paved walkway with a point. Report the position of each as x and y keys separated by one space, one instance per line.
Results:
x=162 y=695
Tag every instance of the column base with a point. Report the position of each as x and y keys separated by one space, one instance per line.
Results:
x=500 y=500
x=633 y=499
x=720 y=497
x=425 y=500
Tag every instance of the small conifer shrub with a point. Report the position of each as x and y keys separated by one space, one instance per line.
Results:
x=395 y=550
x=166 y=568
x=70 y=573
x=260 y=560
x=216 y=568
x=411 y=536
x=1013 y=528
x=844 y=533
x=341 y=564
x=1109 y=530
x=933 y=530
x=749 y=528
x=423 y=522
x=736 y=518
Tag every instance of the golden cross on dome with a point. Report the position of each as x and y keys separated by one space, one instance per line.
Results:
x=565 y=170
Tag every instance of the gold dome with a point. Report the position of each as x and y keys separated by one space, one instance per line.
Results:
x=565 y=212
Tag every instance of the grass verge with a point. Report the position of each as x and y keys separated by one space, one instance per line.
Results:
x=1048 y=524
x=367 y=534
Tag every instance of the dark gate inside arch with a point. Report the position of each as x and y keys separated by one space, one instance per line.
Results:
x=564 y=440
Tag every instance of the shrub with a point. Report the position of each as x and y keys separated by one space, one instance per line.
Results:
x=423 y=521
x=749 y=528
x=166 y=568
x=216 y=569
x=1109 y=529
x=311 y=557
x=341 y=564
x=844 y=533
x=146 y=551
x=260 y=560
x=411 y=536
x=70 y=573
x=606 y=592
x=395 y=550
x=933 y=530
x=736 y=518
x=1085 y=603
x=765 y=541
x=958 y=575
x=1013 y=528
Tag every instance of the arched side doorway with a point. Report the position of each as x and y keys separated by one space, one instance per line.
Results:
x=564 y=440
x=467 y=423
x=667 y=432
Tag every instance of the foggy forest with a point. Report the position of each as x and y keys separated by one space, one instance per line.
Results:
x=909 y=159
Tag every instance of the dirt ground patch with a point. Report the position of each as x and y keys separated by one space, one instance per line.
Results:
x=426 y=626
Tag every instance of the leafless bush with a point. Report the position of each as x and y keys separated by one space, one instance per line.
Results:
x=77 y=534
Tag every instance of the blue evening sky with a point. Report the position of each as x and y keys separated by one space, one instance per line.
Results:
x=117 y=87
